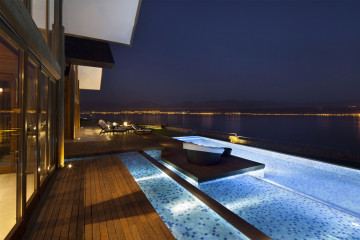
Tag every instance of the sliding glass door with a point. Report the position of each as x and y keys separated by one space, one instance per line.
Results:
x=10 y=135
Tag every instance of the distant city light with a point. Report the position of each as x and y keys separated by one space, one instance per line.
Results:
x=228 y=113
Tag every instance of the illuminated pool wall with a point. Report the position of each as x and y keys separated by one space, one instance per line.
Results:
x=334 y=185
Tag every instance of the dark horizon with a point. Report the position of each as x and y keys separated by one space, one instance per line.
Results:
x=278 y=51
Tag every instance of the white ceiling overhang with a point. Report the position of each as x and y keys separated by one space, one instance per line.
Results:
x=89 y=77
x=107 y=20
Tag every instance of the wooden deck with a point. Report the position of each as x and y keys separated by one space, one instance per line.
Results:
x=99 y=199
x=109 y=144
x=95 y=199
x=174 y=155
x=228 y=166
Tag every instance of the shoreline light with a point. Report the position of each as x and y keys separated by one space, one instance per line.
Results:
x=155 y=112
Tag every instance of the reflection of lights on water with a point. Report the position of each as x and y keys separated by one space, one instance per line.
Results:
x=150 y=177
x=356 y=224
x=183 y=207
x=250 y=202
x=188 y=179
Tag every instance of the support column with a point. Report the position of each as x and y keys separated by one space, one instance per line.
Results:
x=70 y=101
x=58 y=49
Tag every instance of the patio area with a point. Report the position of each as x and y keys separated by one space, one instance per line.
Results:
x=97 y=197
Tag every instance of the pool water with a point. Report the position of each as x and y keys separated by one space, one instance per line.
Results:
x=334 y=185
x=297 y=199
x=184 y=215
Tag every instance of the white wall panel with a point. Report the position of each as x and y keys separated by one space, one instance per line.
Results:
x=89 y=77
x=110 y=20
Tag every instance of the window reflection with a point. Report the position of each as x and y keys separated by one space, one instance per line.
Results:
x=43 y=125
x=31 y=141
x=10 y=134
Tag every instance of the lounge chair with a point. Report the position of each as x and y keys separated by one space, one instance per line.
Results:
x=204 y=155
x=106 y=129
x=141 y=130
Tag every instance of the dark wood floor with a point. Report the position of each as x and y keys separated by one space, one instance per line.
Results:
x=95 y=199
x=109 y=144
x=99 y=199
x=228 y=166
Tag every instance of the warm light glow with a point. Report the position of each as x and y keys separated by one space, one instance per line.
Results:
x=70 y=166
x=125 y=124
x=39 y=169
x=228 y=113
x=1 y=90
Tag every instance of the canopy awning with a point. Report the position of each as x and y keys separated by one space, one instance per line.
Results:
x=86 y=52
x=107 y=20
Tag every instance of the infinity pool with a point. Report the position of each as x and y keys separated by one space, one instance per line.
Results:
x=297 y=199
x=184 y=215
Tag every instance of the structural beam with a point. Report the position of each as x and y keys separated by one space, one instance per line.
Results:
x=58 y=49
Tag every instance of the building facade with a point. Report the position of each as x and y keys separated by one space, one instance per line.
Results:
x=40 y=86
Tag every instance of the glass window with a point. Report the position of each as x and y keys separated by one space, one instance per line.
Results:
x=10 y=134
x=32 y=129
x=51 y=128
x=43 y=125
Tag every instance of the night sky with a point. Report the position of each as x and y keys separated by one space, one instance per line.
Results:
x=196 y=50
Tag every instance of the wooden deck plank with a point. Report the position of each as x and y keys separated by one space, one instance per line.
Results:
x=88 y=225
x=118 y=144
x=136 y=214
x=94 y=206
x=40 y=213
x=122 y=226
x=97 y=199
x=106 y=200
x=48 y=220
x=100 y=202
x=76 y=203
x=70 y=204
x=126 y=206
x=79 y=216
x=62 y=214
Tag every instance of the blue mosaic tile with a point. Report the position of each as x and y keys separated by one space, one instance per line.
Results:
x=335 y=185
x=184 y=215
x=284 y=214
